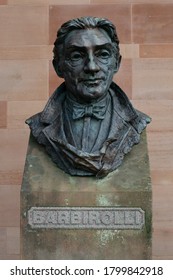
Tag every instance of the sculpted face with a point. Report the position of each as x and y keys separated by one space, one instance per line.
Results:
x=89 y=64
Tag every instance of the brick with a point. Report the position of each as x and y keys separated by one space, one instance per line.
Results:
x=152 y=23
x=152 y=79
x=118 y=14
x=3 y=114
x=23 y=25
x=24 y=80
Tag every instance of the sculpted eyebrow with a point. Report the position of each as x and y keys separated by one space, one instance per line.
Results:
x=76 y=47
x=107 y=45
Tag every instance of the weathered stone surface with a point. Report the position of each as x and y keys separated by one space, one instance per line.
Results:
x=44 y=185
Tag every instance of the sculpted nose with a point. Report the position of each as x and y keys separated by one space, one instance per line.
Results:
x=91 y=65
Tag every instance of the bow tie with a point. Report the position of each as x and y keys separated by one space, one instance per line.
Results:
x=95 y=111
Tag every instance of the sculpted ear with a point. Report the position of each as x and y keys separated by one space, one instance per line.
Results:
x=57 y=67
x=117 y=64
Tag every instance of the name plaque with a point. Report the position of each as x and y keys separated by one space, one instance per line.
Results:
x=86 y=218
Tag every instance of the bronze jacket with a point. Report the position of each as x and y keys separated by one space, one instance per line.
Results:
x=50 y=127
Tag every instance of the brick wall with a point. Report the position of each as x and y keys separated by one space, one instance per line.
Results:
x=27 y=31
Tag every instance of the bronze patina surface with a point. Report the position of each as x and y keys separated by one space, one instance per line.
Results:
x=88 y=124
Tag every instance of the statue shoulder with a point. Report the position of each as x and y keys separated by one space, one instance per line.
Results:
x=125 y=109
x=50 y=112
x=35 y=124
x=141 y=121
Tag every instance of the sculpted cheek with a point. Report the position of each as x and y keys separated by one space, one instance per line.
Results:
x=68 y=71
x=110 y=69
x=67 y=67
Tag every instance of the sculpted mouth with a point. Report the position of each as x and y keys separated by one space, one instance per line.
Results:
x=95 y=81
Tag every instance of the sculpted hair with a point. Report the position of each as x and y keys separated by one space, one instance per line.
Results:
x=83 y=23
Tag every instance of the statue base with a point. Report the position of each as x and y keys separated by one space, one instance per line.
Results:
x=65 y=217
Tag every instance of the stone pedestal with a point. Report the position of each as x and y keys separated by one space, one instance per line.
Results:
x=45 y=185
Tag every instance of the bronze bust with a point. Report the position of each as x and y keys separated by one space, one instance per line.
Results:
x=88 y=124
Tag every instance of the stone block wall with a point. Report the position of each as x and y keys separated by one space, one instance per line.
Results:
x=27 y=32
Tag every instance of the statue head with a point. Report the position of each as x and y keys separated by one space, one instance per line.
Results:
x=86 y=55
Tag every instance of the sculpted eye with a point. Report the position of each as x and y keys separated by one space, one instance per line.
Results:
x=75 y=56
x=104 y=54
